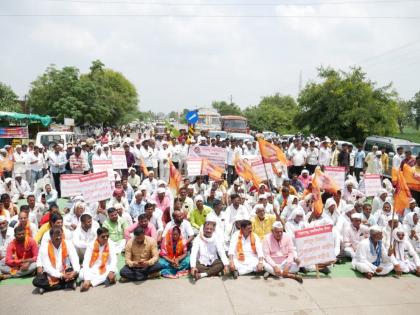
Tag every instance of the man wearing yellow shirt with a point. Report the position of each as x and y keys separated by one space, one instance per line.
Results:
x=262 y=222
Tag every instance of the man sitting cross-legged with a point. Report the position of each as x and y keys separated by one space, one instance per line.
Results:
x=100 y=262
x=141 y=257
x=279 y=254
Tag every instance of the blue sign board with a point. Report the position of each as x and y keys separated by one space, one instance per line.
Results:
x=192 y=117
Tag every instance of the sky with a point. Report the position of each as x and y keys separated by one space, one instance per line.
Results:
x=186 y=53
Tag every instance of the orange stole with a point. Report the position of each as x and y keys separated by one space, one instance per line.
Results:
x=51 y=255
x=240 y=249
x=95 y=255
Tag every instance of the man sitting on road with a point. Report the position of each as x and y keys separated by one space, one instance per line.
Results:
x=208 y=257
x=60 y=263
x=279 y=254
x=21 y=255
x=371 y=255
x=354 y=234
x=262 y=222
x=245 y=251
x=85 y=234
x=100 y=262
x=141 y=257
x=116 y=226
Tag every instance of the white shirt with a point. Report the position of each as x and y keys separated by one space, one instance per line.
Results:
x=396 y=160
x=5 y=241
x=185 y=227
x=151 y=185
x=298 y=156
x=231 y=153
x=312 y=154
x=57 y=270
x=82 y=238
x=353 y=237
x=40 y=162
x=324 y=156
x=206 y=251
x=246 y=246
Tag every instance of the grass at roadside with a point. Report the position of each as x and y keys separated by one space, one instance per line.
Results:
x=409 y=133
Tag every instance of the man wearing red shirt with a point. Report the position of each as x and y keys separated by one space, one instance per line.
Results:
x=21 y=255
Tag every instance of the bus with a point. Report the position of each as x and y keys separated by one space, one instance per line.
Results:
x=237 y=124
x=208 y=119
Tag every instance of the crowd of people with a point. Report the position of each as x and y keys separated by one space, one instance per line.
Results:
x=206 y=227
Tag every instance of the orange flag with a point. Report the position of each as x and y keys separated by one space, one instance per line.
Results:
x=316 y=192
x=174 y=179
x=215 y=172
x=244 y=170
x=324 y=182
x=402 y=194
x=271 y=153
x=394 y=175
x=412 y=180
x=144 y=168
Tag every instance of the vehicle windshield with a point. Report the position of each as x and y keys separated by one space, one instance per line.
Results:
x=235 y=124
x=415 y=149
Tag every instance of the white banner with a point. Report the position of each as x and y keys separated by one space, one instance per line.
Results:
x=119 y=161
x=372 y=184
x=215 y=155
x=103 y=166
x=315 y=245
x=194 y=166
x=258 y=167
x=70 y=185
x=95 y=187
x=337 y=173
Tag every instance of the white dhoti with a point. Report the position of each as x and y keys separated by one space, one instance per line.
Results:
x=247 y=266
x=349 y=252
x=407 y=266
x=118 y=246
x=293 y=268
x=93 y=275
x=367 y=267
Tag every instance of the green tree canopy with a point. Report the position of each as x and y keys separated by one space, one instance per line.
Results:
x=100 y=96
x=415 y=108
x=8 y=99
x=224 y=108
x=347 y=105
x=274 y=113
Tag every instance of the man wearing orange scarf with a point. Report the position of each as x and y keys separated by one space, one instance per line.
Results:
x=245 y=251
x=21 y=255
x=100 y=262
x=60 y=263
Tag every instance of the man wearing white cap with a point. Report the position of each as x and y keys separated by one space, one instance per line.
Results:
x=379 y=200
x=353 y=234
x=262 y=222
x=371 y=256
x=245 y=251
x=150 y=183
x=208 y=257
x=279 y=254
x=403 y=255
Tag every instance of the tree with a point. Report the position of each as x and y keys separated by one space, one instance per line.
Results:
x=415 y=109
x=405 y=116
x=100 y=96
x=8 y=99
x=183 y=120
x=224 y=108
x=347 y=105
x=273 y=113
x=173 y=115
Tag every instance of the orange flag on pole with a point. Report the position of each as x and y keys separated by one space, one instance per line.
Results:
x=324 y=182
x=215 y=172
x=244 y=170
x=271 y=153
x=402 y=194
x=316 y=192
x=174 y=179
x=144 y=168
x=412 y=180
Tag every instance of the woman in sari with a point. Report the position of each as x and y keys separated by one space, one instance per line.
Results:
x=174 y=257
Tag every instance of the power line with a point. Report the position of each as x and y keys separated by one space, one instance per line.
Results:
x=171 y=4
x=390 y=51
x=193 y=16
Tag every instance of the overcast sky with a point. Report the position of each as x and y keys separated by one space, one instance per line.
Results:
x=179 y=62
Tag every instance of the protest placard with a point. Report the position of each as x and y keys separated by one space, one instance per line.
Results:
x=70 y=185
x=119 y=161
x=372 y=184
x=103 y=166
x=215 y=155
x=315 y=245
x=337 y=173
x=259 y=168
x=95 y=187
x=194 y=166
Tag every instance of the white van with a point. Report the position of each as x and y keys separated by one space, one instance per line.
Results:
x=52 y=137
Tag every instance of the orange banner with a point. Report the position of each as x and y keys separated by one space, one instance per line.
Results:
x=272 y=153
x=402 y=194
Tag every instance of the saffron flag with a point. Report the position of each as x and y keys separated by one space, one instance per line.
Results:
x=411 y=178
x=402 y=194
x=143 y=167
x=208 y=168
x=174 y=179
x=324 y=182
x=316 y=192
x=244 y=170
x=271 y=153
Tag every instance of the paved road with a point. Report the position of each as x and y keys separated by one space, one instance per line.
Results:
x=247 y=295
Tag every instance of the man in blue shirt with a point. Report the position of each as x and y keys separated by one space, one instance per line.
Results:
x=57 y=161
x=359 y=160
